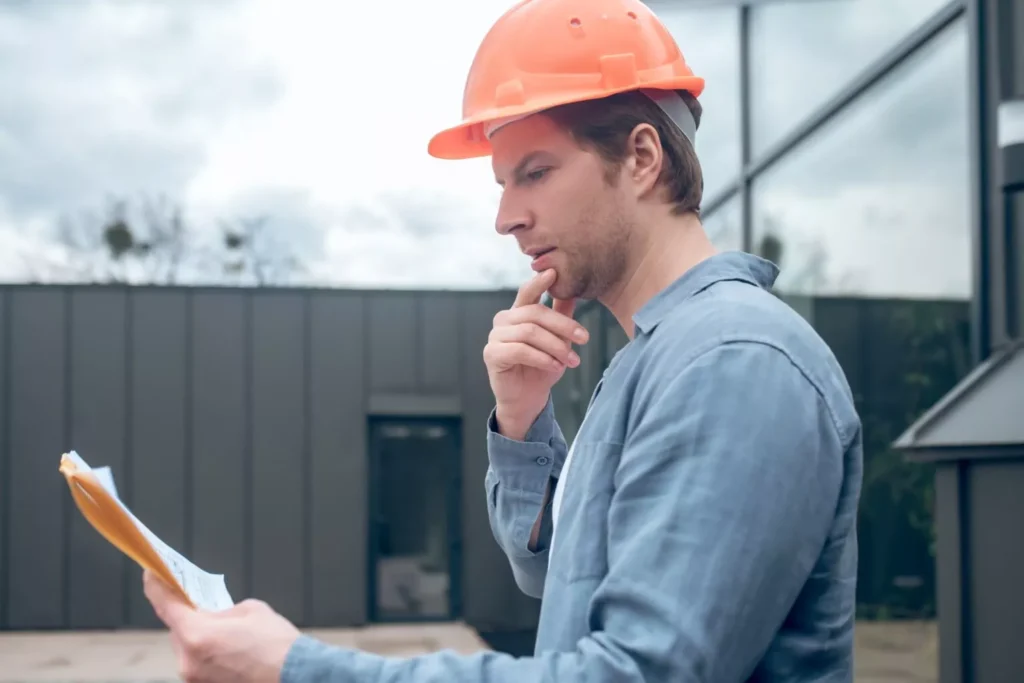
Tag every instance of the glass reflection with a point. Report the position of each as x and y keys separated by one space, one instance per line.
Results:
x=725 y=225
x=709 y=40
x=878 y=203
x=803 y=53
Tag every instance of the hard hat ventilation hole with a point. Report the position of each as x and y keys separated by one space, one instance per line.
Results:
x=575 y=22
x=631 y=15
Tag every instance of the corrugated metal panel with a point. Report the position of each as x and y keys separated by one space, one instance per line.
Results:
x=338 y=506
x=98 y=425
x=280 y=464
x=997 y=606
x=156 y=482
x=440 y=348
x=5 y=460
x=221 y=477
x=394 y=340
x=38 y=554
x=4 y=453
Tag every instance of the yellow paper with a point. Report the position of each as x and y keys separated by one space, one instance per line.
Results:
x=96 y=498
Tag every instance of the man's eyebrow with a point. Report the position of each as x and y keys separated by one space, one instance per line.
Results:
x=524 y=162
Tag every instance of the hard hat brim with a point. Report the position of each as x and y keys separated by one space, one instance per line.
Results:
x=467 y=140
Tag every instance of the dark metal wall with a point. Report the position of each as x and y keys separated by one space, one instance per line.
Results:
x=235 y=422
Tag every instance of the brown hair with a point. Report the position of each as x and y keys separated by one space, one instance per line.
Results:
x=605 y=125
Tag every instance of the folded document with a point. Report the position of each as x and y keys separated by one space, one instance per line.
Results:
x=96 y=496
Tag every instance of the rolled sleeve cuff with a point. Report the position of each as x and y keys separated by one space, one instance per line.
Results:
x=525 y=465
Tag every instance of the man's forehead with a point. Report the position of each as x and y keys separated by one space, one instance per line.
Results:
x=519 y=142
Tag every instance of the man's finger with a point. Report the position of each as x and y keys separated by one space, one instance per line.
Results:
x=169 y=607
x=247 y=607
x=564 y=306
x=510 y=354
x=534 y=288
x=563 y=326
x=539 y=338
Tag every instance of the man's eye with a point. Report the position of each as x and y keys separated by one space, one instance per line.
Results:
x=536 y=174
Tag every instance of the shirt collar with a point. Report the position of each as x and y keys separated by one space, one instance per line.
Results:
x=729 y=265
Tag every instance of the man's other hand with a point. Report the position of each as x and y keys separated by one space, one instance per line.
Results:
x=248 y=642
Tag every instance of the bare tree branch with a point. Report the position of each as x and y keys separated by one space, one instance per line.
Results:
x=150 y=241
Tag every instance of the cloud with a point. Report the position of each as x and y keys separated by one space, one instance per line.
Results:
x=419 y=239
x=103 y=97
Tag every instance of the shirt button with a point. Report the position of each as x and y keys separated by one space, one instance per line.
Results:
x=542 y=460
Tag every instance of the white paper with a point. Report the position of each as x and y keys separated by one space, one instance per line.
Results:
x=208 y=591
x=106 y=478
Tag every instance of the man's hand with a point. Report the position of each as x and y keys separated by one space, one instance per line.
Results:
x=248 y=642
x=528 y=350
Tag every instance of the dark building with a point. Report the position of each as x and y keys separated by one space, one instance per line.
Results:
x=323 y=449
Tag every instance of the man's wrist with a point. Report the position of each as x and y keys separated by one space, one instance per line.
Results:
x=512 y=427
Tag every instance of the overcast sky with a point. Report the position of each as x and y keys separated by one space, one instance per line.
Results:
x=318 y=115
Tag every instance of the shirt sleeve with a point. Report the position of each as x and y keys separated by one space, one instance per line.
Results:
x=725 y=495
x=517 y=481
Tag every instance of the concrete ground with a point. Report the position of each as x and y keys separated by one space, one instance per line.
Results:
x=136 y=656
x=889 y=652
x=897 y=652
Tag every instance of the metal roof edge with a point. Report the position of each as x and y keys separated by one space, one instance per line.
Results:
x=910 y=439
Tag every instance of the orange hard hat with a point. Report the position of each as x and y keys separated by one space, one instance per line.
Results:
x=545 y=53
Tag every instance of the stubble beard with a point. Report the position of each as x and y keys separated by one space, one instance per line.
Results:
x=598 y=266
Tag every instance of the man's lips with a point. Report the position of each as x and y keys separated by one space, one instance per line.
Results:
x=542 y=259
x=537 y=253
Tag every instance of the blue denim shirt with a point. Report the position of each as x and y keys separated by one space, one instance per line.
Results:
x=707 y=531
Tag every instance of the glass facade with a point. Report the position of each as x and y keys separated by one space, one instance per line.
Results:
x=836 y=142
x=877 y=202
x=724 y=225
x=711 y=38
x=802 y=54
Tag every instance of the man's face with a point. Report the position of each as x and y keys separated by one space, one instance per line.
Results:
x=561 y=206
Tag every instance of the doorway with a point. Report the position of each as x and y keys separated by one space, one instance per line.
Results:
x=414 y=519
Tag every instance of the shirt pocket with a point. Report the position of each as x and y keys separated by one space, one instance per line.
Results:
x=580 y=548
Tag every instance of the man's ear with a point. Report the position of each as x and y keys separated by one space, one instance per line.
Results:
x=646 y=158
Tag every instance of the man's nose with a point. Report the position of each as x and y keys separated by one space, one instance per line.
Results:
x=511 y=218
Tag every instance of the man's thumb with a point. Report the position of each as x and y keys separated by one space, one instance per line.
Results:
x=167 y=604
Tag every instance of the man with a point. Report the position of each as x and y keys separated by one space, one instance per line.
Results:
x=703 y=526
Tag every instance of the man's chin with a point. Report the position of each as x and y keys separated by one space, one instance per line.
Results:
x=563 y=291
